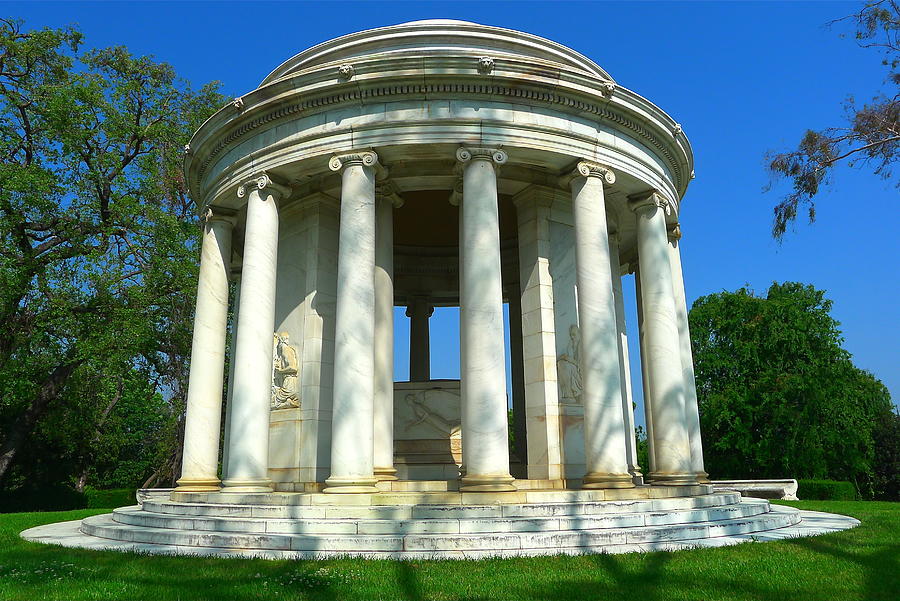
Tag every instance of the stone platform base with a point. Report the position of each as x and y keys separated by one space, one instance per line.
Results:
x=440 y=525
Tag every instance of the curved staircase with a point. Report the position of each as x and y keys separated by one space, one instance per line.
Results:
x=441 y=524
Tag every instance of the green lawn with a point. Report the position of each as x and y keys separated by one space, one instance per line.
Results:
x=863 y=563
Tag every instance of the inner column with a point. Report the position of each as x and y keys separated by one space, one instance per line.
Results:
x=419 y=311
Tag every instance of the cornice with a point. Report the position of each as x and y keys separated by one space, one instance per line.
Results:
x=570 y=93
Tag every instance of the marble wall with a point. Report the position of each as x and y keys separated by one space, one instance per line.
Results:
x=427 y=440
x=565 y=316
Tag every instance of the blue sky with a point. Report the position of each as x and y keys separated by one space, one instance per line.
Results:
x=742 y=78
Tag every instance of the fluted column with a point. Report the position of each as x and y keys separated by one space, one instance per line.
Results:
x=419 y=312
x=200 y=461
x=672 y=450
x=385 y=202
x=604 y=428
x=624 y=368
x=352 y=422
x=691 y=409
x=483 y=365
x=248 y=455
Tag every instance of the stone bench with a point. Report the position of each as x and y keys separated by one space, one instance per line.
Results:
x=764 y=489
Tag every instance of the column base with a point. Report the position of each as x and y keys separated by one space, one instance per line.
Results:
x=673 y=478
x=197 y=485
x=487 y=483
x=234 y=485
x=350 y=485
x=702 y=477
x=600 y=480
x=636 y=476
x=385 y=473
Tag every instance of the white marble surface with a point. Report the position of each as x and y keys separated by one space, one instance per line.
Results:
x=483 y=366
x=565 y=319
x=383 y=457
x=442 y=538
x=767 y=489
x=320 y=219
x=352 y=431
x=249 y=434
x=624 y=363
x=672 y=450
x=200 y=460
x=606 y=461
x=691 y=408
x=542 y=419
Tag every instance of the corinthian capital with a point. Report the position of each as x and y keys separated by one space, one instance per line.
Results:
x=263 y=181
x=650 y=200
x=464 y=154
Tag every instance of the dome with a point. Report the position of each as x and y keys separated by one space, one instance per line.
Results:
x=438 y=37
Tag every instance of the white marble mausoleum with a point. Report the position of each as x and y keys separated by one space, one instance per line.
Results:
x=439 y=164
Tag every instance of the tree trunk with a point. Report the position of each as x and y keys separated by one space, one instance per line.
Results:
x=98 y=432
x=17 y=433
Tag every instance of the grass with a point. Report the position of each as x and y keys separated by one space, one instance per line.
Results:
x=862 y=563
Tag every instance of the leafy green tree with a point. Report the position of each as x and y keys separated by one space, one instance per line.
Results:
x=98 y=238
x=887 y=458
x=778 y=395
x=870 y=137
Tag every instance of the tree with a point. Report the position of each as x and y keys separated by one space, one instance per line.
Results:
x=887 y=458
x=871 y=136
x=98 y=238
x=778 y=395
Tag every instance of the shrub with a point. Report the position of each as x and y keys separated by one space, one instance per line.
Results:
x=109 y=499
x=48 y=498
x=826 y=490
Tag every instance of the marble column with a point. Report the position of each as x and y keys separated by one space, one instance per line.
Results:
x=517 y=375
x=419 y=312
x=645 y=374
x=483 y=364
x=691 y=409
x=604 y=426
x=248 y=453
x=456 y=200
x=200 y=461
x=624 y=368
x=229 y=395
x=672 y=450
x=352 y=422
x=385 y=202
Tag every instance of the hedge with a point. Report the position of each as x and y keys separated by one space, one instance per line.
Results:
x=63 y=498
x=826 y=490
x=109 y=499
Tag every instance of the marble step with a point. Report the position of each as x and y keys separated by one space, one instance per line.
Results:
x=406 y=512
x=136 y=517
x=445 y=497
x=105 y=526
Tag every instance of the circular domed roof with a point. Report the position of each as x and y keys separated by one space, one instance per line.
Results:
x=438 y=37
